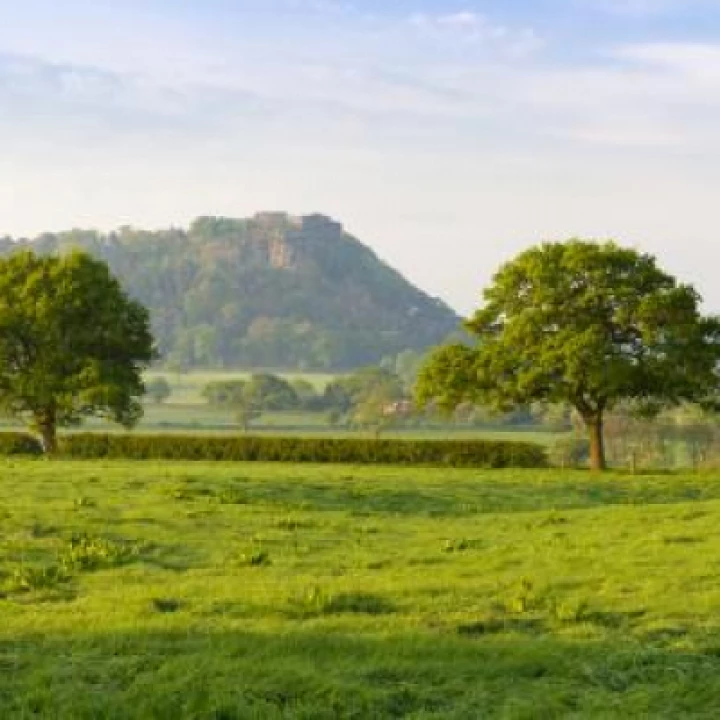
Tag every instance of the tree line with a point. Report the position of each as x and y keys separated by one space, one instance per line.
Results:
x=586 y=325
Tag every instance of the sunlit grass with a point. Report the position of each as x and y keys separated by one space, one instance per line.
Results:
x=136 y=590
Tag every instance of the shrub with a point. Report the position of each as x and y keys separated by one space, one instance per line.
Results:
x=452 y=453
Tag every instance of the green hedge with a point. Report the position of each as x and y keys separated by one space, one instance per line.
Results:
x=453 y=453
x=17 y=443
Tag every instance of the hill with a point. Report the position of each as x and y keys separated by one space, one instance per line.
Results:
x=268 y=291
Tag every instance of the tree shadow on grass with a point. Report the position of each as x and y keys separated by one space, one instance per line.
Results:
x=486 y=494
x=317 y=672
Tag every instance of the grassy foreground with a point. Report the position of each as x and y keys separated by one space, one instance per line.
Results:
x=254 y=591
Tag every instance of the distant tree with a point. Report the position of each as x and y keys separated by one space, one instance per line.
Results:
x=349 y=391
x=336 y=398
x=158 y=390
x=249 y=399
x=270 y=393
x=372 y=393
x=235 y=397
x=406 y=365
x=72 y=343
x=587 y=324
x=374 y=410
x=224 y=393
x=245 y=412
x=307 y=396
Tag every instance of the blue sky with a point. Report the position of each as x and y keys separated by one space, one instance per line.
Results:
x=446 y=135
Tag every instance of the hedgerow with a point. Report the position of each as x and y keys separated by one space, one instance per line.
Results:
x=452 y=453
x=17 y=443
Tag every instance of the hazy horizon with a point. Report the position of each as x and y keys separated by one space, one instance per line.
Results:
x=447 y=136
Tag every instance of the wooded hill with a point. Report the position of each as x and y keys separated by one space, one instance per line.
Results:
x=268 y=291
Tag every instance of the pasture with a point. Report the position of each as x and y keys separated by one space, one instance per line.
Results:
x=149 y=590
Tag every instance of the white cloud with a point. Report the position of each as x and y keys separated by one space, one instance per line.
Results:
x=696 y=61
x=461 y=19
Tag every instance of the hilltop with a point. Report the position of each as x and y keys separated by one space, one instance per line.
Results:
x=268 y=291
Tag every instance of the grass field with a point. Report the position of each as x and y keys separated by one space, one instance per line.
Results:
x=142 y=590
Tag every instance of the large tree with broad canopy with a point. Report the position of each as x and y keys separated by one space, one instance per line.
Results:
x=72 y=344
x=585 y=323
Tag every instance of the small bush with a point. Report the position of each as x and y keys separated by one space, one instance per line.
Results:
x=451 y=453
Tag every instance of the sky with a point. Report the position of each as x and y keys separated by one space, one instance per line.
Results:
x=448 y=136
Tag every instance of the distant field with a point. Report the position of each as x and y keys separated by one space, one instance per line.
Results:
x=187 y=411
x=161 y=590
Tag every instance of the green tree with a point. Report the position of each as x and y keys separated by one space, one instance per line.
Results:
x=270 y=393
x=307 y=396
x=235 y=396
x=245 y=412
x=158 y=390
x=406 y=365
x=373 y=410
x=224 y=393
x=590 y=324
x=72 y=344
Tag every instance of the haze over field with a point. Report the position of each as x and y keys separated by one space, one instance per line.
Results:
x=448 y=135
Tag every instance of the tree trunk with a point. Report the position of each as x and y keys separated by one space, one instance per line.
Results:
x=597 y=442
x=48 y=437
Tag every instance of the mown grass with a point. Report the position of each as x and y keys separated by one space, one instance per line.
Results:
x=148 y=590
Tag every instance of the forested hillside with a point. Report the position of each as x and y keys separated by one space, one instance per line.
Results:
x=268 y=291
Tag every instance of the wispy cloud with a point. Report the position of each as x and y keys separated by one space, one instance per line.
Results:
x=477 y=27
x=650 y=8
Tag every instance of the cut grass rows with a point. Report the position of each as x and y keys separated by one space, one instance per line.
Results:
x=135 y=590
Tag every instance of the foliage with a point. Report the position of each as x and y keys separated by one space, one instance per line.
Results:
x=15 y=443
x=225 y=393
x=365 y=396
x=453 y=453
x=268 y=291
x=72 y=344
x=406 y=365
x=270 y=393
x=306 y=394
x=158 y=389
x=249 y=399
x=570 y=452
x=587 y=324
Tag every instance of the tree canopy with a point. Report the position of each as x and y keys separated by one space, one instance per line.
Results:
x=586 y=323
x=72 y=344
x=248 y=399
